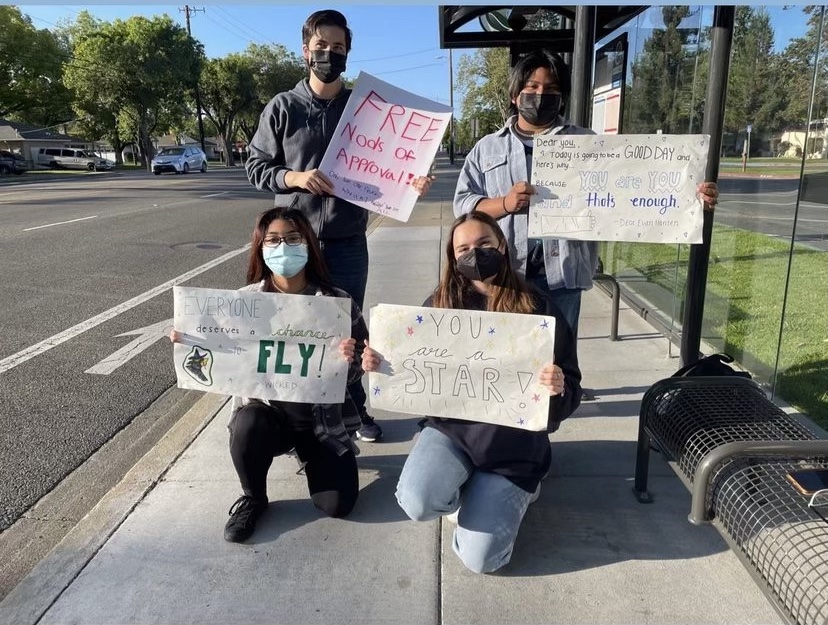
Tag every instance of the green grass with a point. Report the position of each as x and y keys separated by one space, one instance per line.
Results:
x=761 y=166
x=743 y=306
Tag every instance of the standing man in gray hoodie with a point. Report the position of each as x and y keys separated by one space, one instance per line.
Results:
x=294 y=131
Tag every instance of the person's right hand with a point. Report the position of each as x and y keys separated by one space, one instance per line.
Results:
x=313 y=181
x=518 y=197
x=175 y=336
x=370 y=359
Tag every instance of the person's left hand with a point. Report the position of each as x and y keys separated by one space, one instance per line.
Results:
x=347 y=349
x=709 y=194
x=422 y=184
x=552 y=377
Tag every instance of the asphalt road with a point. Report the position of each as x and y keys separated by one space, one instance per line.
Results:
x=769 y=206
x=85 y=259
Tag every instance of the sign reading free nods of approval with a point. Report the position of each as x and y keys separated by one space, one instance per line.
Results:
x=261 y=345
x=465 y=364
x=385 y=139
x=618 y=187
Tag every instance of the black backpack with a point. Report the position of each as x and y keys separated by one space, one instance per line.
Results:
x=715 y=364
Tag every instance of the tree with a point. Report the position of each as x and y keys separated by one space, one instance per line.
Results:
x=796 y=70
x=228 y=88
x=663 y=77
x=275 y=69
x=483 y=81
x=140 y=70
x=30 y=72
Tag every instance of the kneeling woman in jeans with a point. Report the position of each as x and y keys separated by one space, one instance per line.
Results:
x=488 y=474
x=285 y=258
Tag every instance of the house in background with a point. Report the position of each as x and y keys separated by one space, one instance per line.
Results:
x=26 y=140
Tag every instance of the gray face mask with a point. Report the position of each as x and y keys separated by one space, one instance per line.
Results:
x=480 y=263
x=539 y=109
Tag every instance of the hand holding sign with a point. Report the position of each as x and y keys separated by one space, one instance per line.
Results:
x=383 y=146
x=463 y=364
x=618 y=187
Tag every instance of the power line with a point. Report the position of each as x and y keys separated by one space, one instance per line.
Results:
x=395 y=56
x=187 y=10
x=246 y=27
x=407 y=69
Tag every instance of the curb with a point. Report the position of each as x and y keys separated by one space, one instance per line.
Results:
x=37 y=592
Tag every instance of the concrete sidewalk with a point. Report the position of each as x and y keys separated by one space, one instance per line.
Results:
x=152 y=551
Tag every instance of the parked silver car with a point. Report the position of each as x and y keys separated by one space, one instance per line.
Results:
x=180 y=159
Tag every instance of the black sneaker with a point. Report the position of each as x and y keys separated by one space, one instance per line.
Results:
x=370 y=431
x=243 y=516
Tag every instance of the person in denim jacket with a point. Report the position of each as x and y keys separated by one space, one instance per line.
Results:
x=494 y=179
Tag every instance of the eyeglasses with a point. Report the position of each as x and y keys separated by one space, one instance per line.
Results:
x=292 y=238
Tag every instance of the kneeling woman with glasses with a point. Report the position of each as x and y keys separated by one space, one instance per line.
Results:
x=285 y=258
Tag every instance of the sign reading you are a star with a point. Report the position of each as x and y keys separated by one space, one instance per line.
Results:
x=465 y=364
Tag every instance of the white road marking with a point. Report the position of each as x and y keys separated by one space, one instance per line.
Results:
x=59 y=223
x=10 y=362
x=146 y=337
x=215 y=194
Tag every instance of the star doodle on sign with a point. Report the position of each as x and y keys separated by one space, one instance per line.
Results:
x=545 y=324
x=521 y=421
x=535 y=397
x=376 y=390
x=410 y=331
x=491 y=330
x=419 y=318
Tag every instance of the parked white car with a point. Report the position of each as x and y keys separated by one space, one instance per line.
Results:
x=72 y=158
x=180 y=159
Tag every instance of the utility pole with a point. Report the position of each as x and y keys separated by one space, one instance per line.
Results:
x=187 y=10
x=451 y=104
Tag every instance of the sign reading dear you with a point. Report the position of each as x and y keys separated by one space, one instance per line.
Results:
x=466 y=364
x=618 y=187
x=264 y=345
x=385 y=138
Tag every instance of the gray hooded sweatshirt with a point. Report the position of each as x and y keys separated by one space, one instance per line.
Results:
x=294 y=130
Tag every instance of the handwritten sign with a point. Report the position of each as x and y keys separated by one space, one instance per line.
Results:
x=465 y=364
x=385 y=139
x=262 y=345
x=618 y=187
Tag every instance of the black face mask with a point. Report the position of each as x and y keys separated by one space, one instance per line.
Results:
x=539 y=109
x=327 y=66
x=480 y=263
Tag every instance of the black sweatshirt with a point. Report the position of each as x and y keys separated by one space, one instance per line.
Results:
x=521 y=456
x=294 y=131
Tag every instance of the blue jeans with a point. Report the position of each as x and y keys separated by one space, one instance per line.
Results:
x=347 y=261
x=568 y=301
x=438 y=478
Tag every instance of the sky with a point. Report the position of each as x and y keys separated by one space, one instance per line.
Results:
x=399 y=44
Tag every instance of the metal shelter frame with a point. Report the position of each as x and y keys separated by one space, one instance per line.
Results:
x=577 y=31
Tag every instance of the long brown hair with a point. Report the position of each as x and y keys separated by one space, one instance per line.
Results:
x=509 y=292
x=316 y=271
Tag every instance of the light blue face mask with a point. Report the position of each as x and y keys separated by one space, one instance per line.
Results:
x=286 y=260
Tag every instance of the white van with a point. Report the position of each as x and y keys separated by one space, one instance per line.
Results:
x=72 y=158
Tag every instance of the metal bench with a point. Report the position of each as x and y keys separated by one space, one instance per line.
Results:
x=732 y=448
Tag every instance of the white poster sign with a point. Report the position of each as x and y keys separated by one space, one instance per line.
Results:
x=618 y=187
x=385 y=139
x=465 y=364
x=263 y=345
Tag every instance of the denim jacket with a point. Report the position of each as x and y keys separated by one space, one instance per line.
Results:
x=491 y=168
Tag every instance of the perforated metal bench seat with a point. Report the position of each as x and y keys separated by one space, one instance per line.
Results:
x=732 y=447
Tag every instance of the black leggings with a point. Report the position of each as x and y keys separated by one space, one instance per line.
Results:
x=258 y=433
